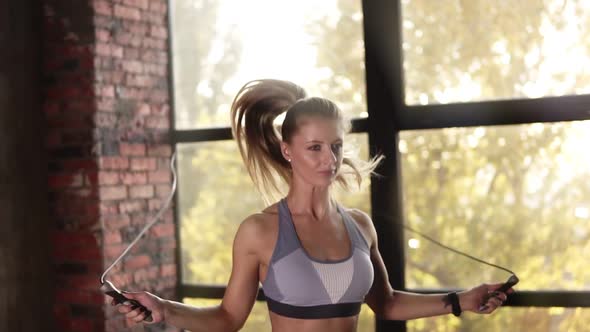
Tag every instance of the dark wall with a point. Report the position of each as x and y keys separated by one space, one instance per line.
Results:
x=25 y=280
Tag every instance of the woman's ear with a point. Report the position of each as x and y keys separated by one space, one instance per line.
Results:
x=285 y=151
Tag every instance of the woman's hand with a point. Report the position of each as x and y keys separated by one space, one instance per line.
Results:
x=153 y=303
x=475 y=299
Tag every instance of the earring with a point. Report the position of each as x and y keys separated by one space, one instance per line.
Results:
x=289 y=159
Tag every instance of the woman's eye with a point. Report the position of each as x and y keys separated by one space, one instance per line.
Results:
x=316 y=147
x=336 y=147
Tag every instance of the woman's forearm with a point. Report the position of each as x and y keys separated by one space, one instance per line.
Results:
x=405 y=305
x=207 y=319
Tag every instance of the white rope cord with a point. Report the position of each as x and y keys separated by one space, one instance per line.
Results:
x=150 y=223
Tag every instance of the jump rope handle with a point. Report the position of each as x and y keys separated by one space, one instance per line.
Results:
x=109 y=289
x=513 y=280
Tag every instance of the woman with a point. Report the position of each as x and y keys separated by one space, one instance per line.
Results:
x=317 y=261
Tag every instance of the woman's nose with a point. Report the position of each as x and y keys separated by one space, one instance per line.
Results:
x=330 y=157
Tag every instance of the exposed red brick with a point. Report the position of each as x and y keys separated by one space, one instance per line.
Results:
x=155 y=69
x=131 y=52
x=148 y=274
x=105 y=120
x=108 y=208
x=132 y=206
x=116 y=222
x=155 y=204
x=111 y=237
x=142 y=191
x=158 y=7
x=107 y=113
x=113 y=193
x=140 y=80
x=159 y=177
x=102 y=7
x=162 y=230
x=157 y=122
x=142 y=4
x=136 y=262
x=105 y=104
x=103 y=35
x=121 y=280
x=113 y=163
x=155 y=18
x=113 y=251
x=162 y=110
x=143 y=109
x=159 y=150
x=132 y=66
x=159 y=96
x=105 y=90
x=107 y=178
x=168 y=270
x=159 y=32
x=140 y=218
x=137 y=29
x=143 y=164
x=155 y=44
x=163 y=190
x=128 y=13
x=132 y=149
x=133 y=178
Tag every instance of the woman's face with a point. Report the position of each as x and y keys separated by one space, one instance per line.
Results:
x=315 y=150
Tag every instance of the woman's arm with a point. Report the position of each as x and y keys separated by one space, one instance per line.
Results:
x=238 y=299
x=390 y=304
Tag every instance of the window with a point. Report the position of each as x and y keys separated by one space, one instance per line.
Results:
x=483 y=140
x=220 y=45
x=457 y=51
x=514 y=195
x=217 y=46
x=480 y=108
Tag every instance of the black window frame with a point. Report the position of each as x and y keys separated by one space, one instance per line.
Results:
x=388 y=115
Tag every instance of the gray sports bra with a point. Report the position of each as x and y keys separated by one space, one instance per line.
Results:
x=300 y=286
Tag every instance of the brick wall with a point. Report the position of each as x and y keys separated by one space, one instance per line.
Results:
x=106 y=102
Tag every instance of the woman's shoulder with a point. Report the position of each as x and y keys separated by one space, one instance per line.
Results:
x=262 y=221
x=363 y=221
x=359 y=216
x=257 y=230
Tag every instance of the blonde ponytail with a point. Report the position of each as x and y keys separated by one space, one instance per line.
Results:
x=253 y=113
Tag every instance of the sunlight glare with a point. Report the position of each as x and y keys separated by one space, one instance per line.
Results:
x=414 y=243
x=275 y=41
x=582 y=212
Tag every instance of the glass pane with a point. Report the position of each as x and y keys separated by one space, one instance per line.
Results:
x=517 y=196
x=219 y=45
x=212 y=203
x=457 y=51
x=258 y=321
x=510 y=319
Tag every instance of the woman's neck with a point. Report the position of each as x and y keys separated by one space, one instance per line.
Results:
x=313 y=201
